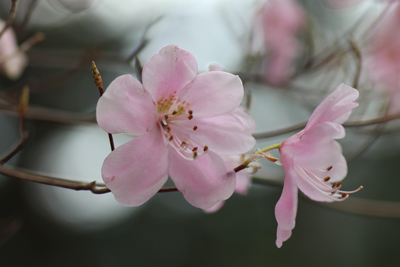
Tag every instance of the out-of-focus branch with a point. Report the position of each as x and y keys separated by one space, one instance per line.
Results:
x=10 y=17
x=357 y=53
x=23 y=106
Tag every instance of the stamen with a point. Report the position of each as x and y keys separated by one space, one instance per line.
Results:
x=195 y=128
x=326 y=179
x=190 y=117
x=184 y=145
x=168 y=139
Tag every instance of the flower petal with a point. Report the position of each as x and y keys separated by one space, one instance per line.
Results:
x=228 y=134
x=168 y=71
x=336 y=107
x=286 y=208
x=203 y=182
x=337 y=173
x=126 y=107
x=316 y=148
x=213 y=93
x=215 y=208
x=136 y=170
x=281 y=236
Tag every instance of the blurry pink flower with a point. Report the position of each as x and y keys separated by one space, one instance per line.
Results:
x=182 y=121
x=384 y=57
x=12 y=61
x=385 y=53
x=281 y=20
x=312 y=159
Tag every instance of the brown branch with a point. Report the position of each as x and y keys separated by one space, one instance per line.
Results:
x=10 y=17
x=54 y=181
x=27 y=16
x=357 y=53
x=99 y=83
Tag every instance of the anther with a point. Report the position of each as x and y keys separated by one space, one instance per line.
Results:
x=175 y=112
x=171 y=138
x=344 y=195
x=184 y=144
x=194 y=149
x=190 y=117
x=205 y=148
x=329 y=168
x=195 y=155
x=195 y=128
x=190 y=112
x=168 y=129
x=326 y=179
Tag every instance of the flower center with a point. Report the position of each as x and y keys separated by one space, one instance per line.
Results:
x=322 y=185
x=168 y=121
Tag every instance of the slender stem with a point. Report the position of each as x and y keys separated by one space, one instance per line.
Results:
x=246 y=163
x=10 y=16
x=99 y=83
x=357 y=53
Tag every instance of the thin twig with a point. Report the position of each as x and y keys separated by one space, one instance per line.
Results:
x=23 y=106
x=27 y=16
x=357 y=53
x=99 y=83
x=10 y=16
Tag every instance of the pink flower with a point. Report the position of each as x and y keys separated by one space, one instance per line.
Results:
x=281 y=20
x=182 y=120
x=312 y=159
x=385 y=53
x=384 y=57
x=12 y=61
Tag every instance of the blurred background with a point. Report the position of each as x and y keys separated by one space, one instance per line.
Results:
x=289 y=56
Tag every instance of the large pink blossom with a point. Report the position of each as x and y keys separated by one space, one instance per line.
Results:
x=281 y=20
x=182 y=121
x=12 y=61
x=312 y=159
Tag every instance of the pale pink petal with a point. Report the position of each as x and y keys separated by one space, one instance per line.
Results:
x=316 y=148
x=168 y=71
x=282 y=236
x=312 y=192
x=126 y=107
x=136 y=170
x=213 y=93
x=12 y=62
x=286 y=208
x=336 y=107
x=215 y=208
x=215 y=67
x=242 y=182
x=203 y=182
x=228 y=134
x=337 y=173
